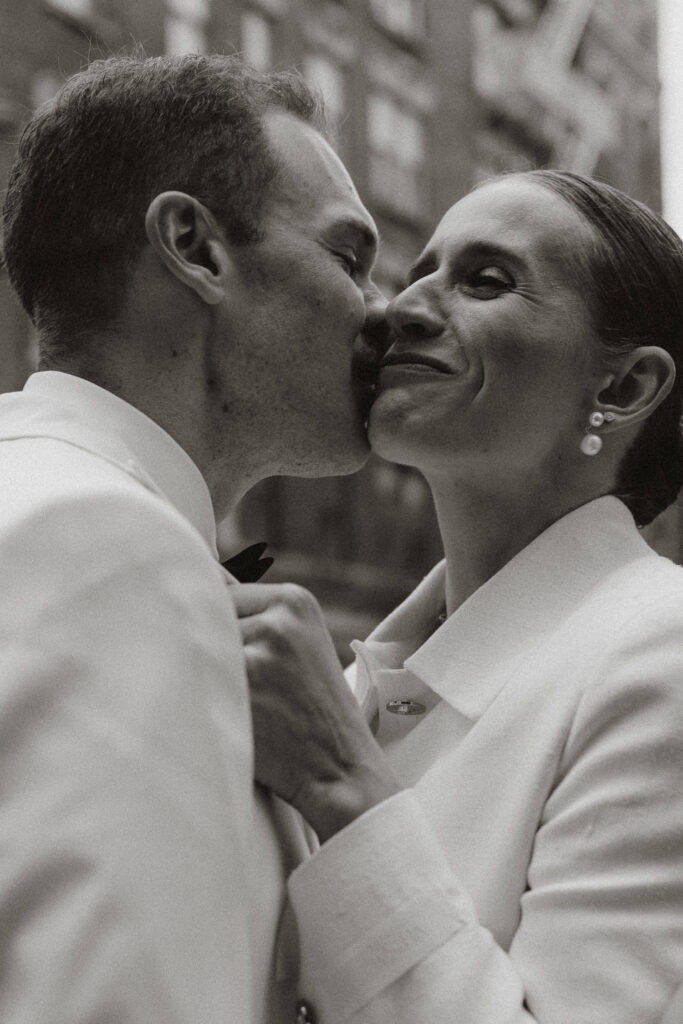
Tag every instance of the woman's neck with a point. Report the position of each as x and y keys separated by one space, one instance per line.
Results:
x=482 y=530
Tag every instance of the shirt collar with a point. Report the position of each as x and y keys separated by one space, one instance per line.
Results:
x=60 y=405
x=470 y=657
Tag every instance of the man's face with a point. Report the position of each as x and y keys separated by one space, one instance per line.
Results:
x=290 y=341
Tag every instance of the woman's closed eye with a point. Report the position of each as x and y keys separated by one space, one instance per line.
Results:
x=488 y=282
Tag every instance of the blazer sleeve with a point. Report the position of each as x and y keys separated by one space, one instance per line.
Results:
x=391 y=937
x=125 y=768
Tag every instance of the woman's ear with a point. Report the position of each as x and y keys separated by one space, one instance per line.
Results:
x=188 y=240
x=640 y=382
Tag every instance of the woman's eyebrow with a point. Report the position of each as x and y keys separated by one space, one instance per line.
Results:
x=428 y=262
x=425 y=265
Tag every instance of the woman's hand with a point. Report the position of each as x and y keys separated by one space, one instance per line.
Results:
x=313 y=747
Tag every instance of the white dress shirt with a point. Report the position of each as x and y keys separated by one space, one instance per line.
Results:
x=141 y=876
x=533 y=870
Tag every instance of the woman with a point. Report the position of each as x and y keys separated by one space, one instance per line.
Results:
x=510 y=846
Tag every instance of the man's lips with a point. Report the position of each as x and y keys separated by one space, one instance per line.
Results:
x=415 y=359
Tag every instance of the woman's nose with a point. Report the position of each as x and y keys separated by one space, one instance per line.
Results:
x=411 y=315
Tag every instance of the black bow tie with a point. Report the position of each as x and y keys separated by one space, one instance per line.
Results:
x=248 y=566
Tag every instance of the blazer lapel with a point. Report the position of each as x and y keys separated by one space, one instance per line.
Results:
x=486 y=641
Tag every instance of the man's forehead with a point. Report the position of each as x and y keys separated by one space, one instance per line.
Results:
x=299 y=142
x=312 y=172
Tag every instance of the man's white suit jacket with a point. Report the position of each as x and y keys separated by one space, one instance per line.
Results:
x=141 y=877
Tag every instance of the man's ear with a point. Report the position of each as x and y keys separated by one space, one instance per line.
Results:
x=641 y=382
x=188 y=240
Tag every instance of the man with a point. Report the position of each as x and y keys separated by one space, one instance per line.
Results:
x=197 y=264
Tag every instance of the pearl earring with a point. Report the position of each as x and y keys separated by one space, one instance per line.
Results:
x=591 y=443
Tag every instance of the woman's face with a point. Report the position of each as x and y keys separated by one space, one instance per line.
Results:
x=494 y=361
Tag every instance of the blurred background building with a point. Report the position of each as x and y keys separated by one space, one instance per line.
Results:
x=427 y=97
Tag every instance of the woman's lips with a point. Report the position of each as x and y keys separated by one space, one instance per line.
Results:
x=415 y=362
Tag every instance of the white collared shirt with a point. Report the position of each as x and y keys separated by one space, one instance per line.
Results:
x=64 y=407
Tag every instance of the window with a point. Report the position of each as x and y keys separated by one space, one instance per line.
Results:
x=324 y=74
x=405 y=18
x=504 y=144
x=184 y=26
x=396 y=154
x=257 y=40
x=514 y=13
x=276 y=8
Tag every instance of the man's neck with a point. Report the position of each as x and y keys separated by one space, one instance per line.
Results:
x=175 y=403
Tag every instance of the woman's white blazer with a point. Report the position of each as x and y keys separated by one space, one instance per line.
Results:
x=533 y=870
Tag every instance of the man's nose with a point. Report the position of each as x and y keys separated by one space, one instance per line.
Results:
x=375 y=307
x=411 y=316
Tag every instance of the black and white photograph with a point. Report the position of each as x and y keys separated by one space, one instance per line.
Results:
x=341 y=512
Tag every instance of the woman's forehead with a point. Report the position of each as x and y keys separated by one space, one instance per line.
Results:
x=516 y=212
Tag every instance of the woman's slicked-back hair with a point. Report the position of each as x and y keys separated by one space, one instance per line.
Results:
x=118 y=133
x=633 y=281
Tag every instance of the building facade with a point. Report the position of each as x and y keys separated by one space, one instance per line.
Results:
x=426 y=98
x=569 y=83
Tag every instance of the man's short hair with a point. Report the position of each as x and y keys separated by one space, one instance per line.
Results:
x=118 y=133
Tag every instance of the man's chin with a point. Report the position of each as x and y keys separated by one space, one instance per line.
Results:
x=352 y=457
x=358 y=461
x=347 y=455
x=331 y=467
